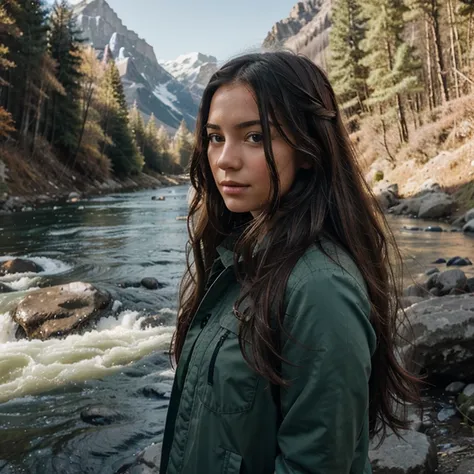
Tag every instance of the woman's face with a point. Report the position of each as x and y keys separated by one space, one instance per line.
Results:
x=236 y=155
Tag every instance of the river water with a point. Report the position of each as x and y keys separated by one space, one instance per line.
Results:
x=120 y=369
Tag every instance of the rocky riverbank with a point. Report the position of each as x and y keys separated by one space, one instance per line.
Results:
x=14 y=202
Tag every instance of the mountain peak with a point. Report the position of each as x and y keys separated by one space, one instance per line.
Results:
x=192 y=68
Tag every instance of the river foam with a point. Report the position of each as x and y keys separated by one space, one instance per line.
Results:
x=32 y=367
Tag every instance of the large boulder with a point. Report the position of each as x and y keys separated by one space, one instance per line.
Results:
x=435 y=206
x=19 y=265
x=60 y=310
x=414 y=453
x=451 y=280
x=469 y=227
x=440 y=340
x=429 y=205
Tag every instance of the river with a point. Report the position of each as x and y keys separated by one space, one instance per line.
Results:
x=47 y=388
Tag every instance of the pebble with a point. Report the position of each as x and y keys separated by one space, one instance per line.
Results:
x=455 y=387
x=446 y=413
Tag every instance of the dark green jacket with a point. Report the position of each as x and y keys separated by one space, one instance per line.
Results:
x=223 y=417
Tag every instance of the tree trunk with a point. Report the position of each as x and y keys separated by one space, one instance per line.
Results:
x=429 y=67
x=454 y=59
x=85 y=115
x=402 y=119
x=38 y=114
x=440 y=66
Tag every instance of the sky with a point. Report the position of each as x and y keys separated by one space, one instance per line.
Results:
x=221 y=28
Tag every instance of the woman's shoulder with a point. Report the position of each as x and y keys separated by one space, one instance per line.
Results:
x=321 y=262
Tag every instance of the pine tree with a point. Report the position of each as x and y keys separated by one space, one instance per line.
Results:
x=151 y=152
x=26 y=51
x=88 y=155
x=183 y=145
x=430 y=12
x=7 y=27
x=65 y=50
x=137 y=127
x=347 y=73
x=392 y=63
x=121 y=149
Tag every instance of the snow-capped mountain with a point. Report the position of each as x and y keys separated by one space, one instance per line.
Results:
x=145 y=81
x=192 y=69
x=305 y=30
x=189 y=68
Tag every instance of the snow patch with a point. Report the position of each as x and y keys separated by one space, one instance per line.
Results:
x=167 y=97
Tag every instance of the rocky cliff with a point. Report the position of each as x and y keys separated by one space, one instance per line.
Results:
x=145 y=81
x=306 y=30
x=193 y=70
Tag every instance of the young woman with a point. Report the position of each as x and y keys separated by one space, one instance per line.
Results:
x=287 y=318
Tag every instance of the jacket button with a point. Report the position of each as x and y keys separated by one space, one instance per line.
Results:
x=205 y=320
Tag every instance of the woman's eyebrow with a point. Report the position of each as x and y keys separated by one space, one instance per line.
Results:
x=249 y=123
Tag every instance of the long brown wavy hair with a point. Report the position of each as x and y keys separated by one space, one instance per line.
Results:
x=331 y=199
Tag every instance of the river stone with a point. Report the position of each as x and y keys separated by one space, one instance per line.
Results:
x=19 y=265
x=147 y=462
x=60 y=310
x=435 y=291
x=469 y=390
x=439 y=260
x=434 y=228
x=5 y=289
x=435 y=206
x=470 y=285
x=469 y=227
x=431 y=271
x=451 y=279
x=410 y=206
x=466 y=467
x=432 y=281
x=100 y=415
x=415 y=453
x=445 y=414
x=151 y=283
x=455 y=387
x=458 y=262
x=442 y=333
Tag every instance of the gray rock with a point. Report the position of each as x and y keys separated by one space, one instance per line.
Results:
x=469 y=216
x=469 y=227
x=459 y=222
x=19 y=265
x=455 y=387
x=5 y=289
x=387 y=199
x=434 y=228
x=147 y=462
x=414 y=454
x=470 y=285
x=466 y=467
x=446 y=413
x=458 y=262
x=441 y=337
x=451 y=279
x=151 y=322
x=60 y=310
x=435 y=292
x=74 y=195
x=439 y=260
x=100 y=415
x=431 y=271
x=415 y=290
x=407 y=207
x=432 y=281
x=151 y=283
x=469 y=390
x=436 y=206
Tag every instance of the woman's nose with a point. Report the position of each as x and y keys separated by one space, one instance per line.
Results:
x=229 y=157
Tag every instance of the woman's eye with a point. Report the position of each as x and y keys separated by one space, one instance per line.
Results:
x=214 y=138
x=255 y=138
